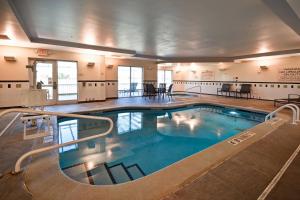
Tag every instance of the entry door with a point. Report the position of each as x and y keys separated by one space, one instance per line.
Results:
x=46 y=74
x=59 y=78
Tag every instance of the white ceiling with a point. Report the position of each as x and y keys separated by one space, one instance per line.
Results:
x=168 y=28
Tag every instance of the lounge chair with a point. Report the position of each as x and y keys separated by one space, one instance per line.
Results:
x=225 y=88
x=292 y=98
x=245 y=89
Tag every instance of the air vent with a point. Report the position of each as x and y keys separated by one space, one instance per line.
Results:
x=4 y=37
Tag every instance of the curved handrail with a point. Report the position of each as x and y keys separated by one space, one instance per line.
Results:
x=56 y=146
x=295 y=109
x=197 y=86
x=187 y=90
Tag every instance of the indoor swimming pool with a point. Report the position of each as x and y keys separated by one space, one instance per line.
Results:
x=144 y=141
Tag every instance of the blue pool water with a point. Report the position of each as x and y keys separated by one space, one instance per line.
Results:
x=145 y=141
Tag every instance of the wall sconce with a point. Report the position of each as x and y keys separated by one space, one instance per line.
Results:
x=263 y=67
x=10 y=58
x=30 y=67
x=193 y=71
x=109 y=66
x=91 y=64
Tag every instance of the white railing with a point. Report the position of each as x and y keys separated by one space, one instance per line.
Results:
x=55 y=146
x=188 y=90
x=197 y=86
x=295 y=109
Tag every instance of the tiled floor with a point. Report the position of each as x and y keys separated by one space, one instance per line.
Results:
x=218 y=183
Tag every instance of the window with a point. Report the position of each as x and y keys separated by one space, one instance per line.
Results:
x=164 y=76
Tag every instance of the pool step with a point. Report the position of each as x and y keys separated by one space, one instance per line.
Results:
x=102 y=174
x=106 y=175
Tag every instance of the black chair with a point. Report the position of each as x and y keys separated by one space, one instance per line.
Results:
x=245 y=89
x=145 y=89
x=162 y=89
x=225 y=88
x=169 y=92
x=151 y=90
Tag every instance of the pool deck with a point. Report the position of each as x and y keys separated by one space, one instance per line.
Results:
x=243 y=175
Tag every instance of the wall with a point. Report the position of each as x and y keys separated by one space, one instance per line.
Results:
x=266 y=83
x=94 y=83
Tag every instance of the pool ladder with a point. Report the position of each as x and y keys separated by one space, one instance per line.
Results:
x=17 y=168
x=295 y=109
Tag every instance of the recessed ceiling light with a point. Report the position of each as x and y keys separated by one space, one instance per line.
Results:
x=4 y=37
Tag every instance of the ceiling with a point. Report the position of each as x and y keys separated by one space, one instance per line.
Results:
x=164 y=29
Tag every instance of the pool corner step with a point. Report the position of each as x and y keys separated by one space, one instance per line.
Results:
x=103 y=174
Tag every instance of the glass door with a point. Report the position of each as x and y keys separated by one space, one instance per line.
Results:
x=130 y=81
x=59 y=78
x=45 y=74
x=164 y=76
x=123 y=81
x=67 y=81
x=136 y=81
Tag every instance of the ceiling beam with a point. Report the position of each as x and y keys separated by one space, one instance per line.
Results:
x=82 y=46
x=285 y=12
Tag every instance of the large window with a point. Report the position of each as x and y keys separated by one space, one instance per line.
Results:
x=130 y=81
x=164 y=76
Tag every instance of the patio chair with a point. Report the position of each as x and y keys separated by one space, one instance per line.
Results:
x=162 y=89
x=133 y=87
x=145 y=89
x=225 y=88
x=292 y=98
x=151 y=90
x=245 y=89
x=169 y=92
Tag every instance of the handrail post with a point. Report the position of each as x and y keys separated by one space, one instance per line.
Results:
x=295 y=109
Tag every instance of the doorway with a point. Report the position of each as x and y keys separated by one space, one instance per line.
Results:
x=59 y=78
x=130 y=81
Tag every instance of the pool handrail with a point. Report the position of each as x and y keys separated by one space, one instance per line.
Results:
x=295 y=109
x=17 y=168
x=187 y=89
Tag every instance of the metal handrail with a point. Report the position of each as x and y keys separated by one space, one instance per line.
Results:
x=293 y=107
x=187 y=90
x=56 y=146
x=197 y=86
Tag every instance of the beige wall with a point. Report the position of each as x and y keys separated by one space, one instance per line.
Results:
x=93 y=88
x=246 y=71
x=17 y=70
x=265 y=82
